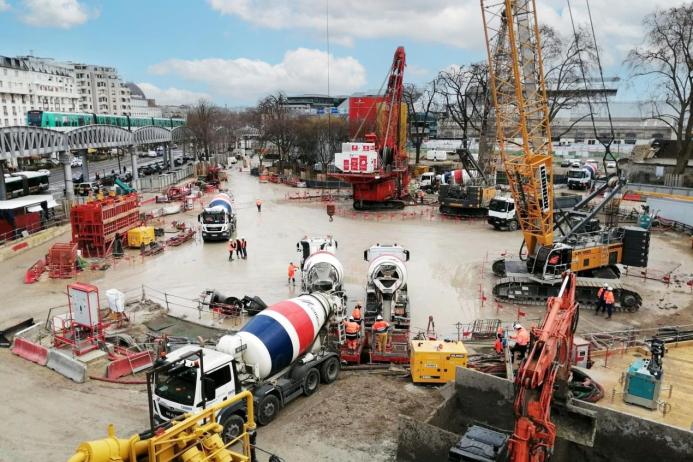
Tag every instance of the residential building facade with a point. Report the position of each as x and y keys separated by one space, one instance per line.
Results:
x=29 y=83
x=101 y=90
x=140 y=105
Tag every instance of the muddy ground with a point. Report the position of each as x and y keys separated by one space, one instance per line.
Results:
x=354 y=418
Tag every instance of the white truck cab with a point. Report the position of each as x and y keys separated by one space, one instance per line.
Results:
x=427 y=181
x=501 y=213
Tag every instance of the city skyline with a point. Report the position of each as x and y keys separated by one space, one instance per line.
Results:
x=234 y=52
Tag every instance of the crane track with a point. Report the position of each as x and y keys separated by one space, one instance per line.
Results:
x=524 y=290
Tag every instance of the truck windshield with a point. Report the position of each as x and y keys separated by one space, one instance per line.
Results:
x=576 y=173
x=177 y=385
x=213 y=217
x=498 y=206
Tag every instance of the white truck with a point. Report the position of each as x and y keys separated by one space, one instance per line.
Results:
x=218 y=220
x=582 y=177
x=427 y=181
x=501 y=213
x=280 y=354
x=386 y=288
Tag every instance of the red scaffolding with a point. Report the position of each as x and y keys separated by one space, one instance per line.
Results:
x=95 y=224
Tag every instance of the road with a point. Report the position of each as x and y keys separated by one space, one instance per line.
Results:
x=103 y=167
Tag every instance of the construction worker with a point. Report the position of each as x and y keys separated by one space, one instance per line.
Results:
x=499 y=343
x=353 y=329
x=521 y=337
x=239 y=249
x=380 y=328
x=244 y=246
x=601 y=306
x=231 y=248
x=258 y=204
x=292 y=273
x=609 y=301
x=356 y=313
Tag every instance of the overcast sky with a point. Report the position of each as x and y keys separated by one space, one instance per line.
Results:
x=236 y=51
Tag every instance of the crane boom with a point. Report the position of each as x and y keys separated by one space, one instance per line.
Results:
x=519 y=99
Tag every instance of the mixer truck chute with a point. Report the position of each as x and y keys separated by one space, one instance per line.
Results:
x=218 y=220
x=282 y=353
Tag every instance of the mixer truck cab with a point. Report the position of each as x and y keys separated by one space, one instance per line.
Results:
x=280 y=354
x=217 y=220
x=501 y=213
x=582 y=178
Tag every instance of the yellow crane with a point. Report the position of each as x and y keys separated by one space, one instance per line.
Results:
x=195 y=438
x=518 y=90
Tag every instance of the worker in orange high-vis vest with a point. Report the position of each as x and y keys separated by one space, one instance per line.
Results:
x=292 y=273
x=609 y=301
x=356 y=313
x=353 y=329
x=500 y=339
x=380 y=328
x=601 y=306
x=521 y=337
x=231 y=247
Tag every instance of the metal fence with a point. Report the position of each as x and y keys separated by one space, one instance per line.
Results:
x=157 y=183
x=22 y=232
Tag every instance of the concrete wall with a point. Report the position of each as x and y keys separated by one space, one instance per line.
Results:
x=19 y=246
x=587 y=433
x=670 y=209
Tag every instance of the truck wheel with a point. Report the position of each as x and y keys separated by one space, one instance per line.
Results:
x=267 y=409
x=330 y=370
x=311 y=382
x=512 y=226
x=233 y=426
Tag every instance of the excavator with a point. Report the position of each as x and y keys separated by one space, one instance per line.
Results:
x=386 y=187
x=553 y=244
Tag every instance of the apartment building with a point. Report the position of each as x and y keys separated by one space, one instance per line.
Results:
x=101 y=90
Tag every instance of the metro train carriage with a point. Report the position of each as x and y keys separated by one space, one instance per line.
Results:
x=58 y=120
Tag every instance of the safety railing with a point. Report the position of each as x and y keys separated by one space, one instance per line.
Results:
x=22 y=232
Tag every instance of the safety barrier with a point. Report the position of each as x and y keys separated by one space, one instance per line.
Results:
x=30 y=351
x=67 y=366
x=129 y=365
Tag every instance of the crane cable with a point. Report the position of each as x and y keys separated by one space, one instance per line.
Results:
x=605 y=143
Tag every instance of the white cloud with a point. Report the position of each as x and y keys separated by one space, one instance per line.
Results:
x=4 y=6
x=171 y=95
x=56 y=13
x=245 y=80
x=450 y=22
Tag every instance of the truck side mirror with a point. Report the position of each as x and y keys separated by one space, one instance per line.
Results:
x=406 y=252
x=208 y=388
x=365 y=255
x=199 y=218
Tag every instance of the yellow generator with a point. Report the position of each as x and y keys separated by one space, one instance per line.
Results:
x=142 y=235
x=435 y=361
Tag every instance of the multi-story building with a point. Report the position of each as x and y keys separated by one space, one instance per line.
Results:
x=30 y=83
x=314 y=104
x=100 y=90
x=177 y=112
x=140 y=105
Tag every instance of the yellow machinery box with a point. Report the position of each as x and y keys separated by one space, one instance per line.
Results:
x=142 y=235
x=435 y=361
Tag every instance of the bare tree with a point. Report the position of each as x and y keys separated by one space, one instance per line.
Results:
x=667 y=60
x=319 y=138
x=422 y=103
x=278 y=125
x=566 y=62
x=465 y=91
x=203 y=121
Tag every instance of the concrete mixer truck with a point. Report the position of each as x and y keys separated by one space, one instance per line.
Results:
x=320 y=268
x=582 y=177
x=280 y=354
x=218 y=220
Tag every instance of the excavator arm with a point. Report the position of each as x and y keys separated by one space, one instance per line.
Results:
x=547 y=364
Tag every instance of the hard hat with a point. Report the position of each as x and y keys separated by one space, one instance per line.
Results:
x=351 y=318
x=379 y=318
x=610 y=289
x=517 y=325
x=606 y=286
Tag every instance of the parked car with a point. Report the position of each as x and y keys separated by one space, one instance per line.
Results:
x=151 y=153
x=565 y=163
x=178 y=161
x=83 y=189
x=575 y=164
x=76 y=162
x=611 y=164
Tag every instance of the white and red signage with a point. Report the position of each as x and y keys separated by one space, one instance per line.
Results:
x=357 y=158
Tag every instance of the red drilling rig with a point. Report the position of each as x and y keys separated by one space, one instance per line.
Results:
x=378 y=169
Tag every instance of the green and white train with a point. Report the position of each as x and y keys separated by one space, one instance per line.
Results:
x=60 y=120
